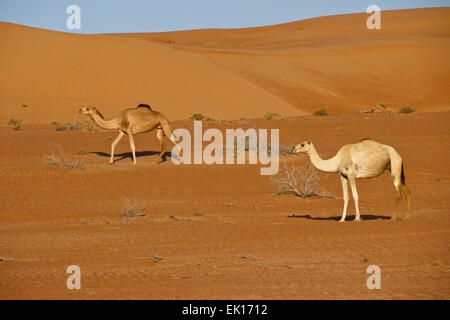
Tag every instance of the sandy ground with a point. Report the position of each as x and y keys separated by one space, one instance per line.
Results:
x=221 y=232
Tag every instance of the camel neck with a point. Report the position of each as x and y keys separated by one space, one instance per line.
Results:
x=105 y=124
x=330 y=165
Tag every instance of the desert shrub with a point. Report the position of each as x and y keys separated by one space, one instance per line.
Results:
x=24 y=105
x=320 y=112
x=300 y=181
x=70 y=127
x=286 y=151
x=197 y=116
x=82 y=152
x=61 y=160
x=16 y=124
x=131 y=209
x=406 y=110
x=382 y=105
x=271 y=115
x=88 y=125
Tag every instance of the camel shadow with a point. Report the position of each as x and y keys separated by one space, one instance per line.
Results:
x=348 y=218
x=129 y=155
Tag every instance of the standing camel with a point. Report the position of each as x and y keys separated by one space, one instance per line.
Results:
x=365 y=159
x=133 y=121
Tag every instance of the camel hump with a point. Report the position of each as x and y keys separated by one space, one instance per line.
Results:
x=141 y=105
x=365 y=139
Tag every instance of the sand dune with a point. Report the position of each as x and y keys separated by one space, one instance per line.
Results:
x=56 y=73
x=336 y=62
x=293 y=69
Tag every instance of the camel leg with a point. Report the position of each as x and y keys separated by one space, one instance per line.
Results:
x=398 y=197
x=160 y=136
x=345 y=195
x=355 y=197
x=408 y=198
x=133 y=147
x=113 y=146
x=398 y=193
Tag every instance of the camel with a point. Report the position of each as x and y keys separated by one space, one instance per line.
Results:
x=363 y=160
x=134 y=121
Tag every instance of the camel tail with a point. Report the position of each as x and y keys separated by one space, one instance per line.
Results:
x=404 y=191
x=167 y=129
x=403 y=179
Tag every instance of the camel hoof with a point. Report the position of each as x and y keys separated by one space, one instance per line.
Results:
x=393 y=219
x=111 y=162
x=341 y=220
x=357 y=219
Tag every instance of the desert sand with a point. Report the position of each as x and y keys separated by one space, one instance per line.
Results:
x=222 y=231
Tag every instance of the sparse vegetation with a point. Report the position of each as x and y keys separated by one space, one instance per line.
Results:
x=6 y=259
x=61 y=160
x=70 y=127
x=300 y=181
x=131 y=210
x=382 y=105
x=82 y=152
x=16 y=124
x=55 y=123
x=365 y=259
x=286 y=151
x=24 y=105
x=197 y=116
x=406 y=110
x=86 y=125
x=271 y=115
x=320 y=112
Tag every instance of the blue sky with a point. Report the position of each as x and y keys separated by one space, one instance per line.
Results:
x=109 y=16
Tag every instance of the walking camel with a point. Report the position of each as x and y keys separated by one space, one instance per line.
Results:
x=365 y=159
x=133 y=121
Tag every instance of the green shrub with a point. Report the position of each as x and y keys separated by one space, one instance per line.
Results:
x=197 y=116
x=15 y=123
x=406 y=110
x=271 y=115
x=321 y=112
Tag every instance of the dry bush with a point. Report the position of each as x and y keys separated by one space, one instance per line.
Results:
x=272 y=115
x=88 y=125
x=197 y=116
x=61 y=160
x=300 y=181
x=131 y=209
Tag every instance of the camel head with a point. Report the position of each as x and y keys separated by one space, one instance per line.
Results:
x=303 y=147
x=88 y=111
